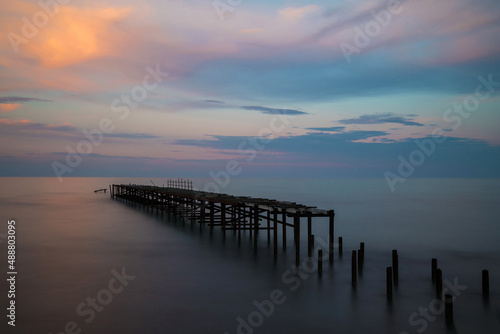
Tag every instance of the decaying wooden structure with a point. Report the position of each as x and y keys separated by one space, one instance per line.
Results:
x=230 y=213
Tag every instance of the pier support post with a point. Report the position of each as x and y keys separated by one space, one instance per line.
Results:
x=284 y=228
x=239 y=224
x=268 y=227
x=256 y=225
x=331 y=215
x=212 y=220
x=310 y=245
x=223 y=219
x=320 y=262
x=309 y=233
x=297 y=237
x=275 y=232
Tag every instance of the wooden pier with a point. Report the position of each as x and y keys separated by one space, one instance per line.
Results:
x=229 y=213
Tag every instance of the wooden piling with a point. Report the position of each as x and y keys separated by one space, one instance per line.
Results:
x=389 y=283
x=275 y=232
x=439 y=283
x=362 y=249
x=310 y=245
x=448 y=308
x=340 y=247
x=283 y=223
x=434 y=266
x=353 y=268
x=395 y=267
x=309 y=234
x=223 y=219
x=256 y=225
x=268 y=228
x=212 y=218
x=320 y=262
x=331 y=215
x=486 y=283
x=297 y=237
x=360 y=263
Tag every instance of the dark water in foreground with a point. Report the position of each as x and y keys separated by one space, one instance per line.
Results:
x=72 y=244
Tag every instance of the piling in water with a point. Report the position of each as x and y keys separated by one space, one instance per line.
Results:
x=395 y=267
x=340 y=247
x=439 y=283
x=486 y=283
x=448 y=308
x=434 y=269
x=389 y=283
x=353 y=268
x=320 y=262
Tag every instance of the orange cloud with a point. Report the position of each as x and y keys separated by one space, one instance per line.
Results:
x=75 y=35
x=6 y=107
x=296 y=13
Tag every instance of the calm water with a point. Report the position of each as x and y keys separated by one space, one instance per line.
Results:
x=181 y=280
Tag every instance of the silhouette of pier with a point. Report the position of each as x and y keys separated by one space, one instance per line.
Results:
x=230 y=213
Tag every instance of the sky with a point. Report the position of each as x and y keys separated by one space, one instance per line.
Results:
x=338 y=88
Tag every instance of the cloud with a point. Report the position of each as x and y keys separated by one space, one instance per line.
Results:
x=274 y=111
x=213 y=101
x=28 y=126
x=6 y=107
x=380 y=119
x=329 y=129
x=20 y=99
x=233 y=142
x=132 y=135
x=31 y=129
x=297 y=13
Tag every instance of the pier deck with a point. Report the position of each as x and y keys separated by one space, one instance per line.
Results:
x=230 y=213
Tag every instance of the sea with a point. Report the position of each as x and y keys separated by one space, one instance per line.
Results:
x=86 y=263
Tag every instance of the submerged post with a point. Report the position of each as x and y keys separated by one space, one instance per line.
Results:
x=434 y=269
x=256 y=225
x=439 y=283
x=353 y=268
x=297 y=237
x=486 y=283
x=284 y=229
x=395 y=266
x=309 y=234
x=275 y=232
x=448 y=308
x=389 y=283
x=340 y=247
x=320 y=262
x=310 y=245
x=331 y=215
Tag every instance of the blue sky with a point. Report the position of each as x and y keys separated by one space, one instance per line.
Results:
x=284 y=88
